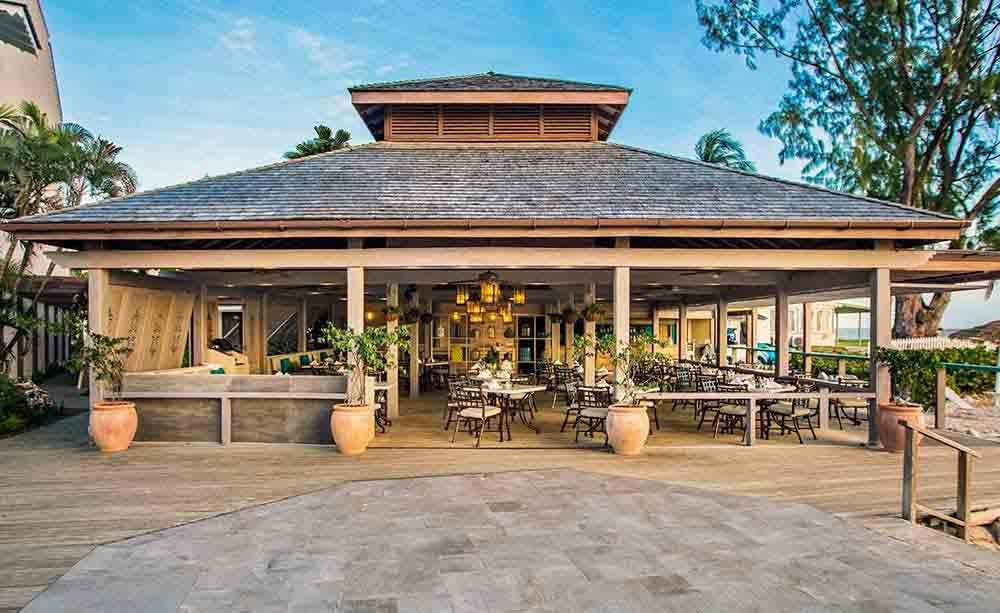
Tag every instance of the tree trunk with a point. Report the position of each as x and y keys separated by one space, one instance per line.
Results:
x=916 y=318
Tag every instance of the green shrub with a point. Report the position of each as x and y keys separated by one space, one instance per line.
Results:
x=914 y=371
x=22 y=404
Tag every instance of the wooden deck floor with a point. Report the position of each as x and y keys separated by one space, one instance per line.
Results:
x=59 y=498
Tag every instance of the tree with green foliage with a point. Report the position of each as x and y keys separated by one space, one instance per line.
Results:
x=326 y=140
x=720 y=147
x=894 y=99
x=45 y=167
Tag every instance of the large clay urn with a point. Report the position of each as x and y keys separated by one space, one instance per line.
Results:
x=890 y=433
x=113 y=425
x=628 y=428
x=353 y=427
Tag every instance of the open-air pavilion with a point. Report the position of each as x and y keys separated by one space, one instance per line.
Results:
x=495 y=178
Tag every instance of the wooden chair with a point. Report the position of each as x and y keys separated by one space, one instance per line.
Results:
x=593 y=403
x=792 y=412
x=477 y=415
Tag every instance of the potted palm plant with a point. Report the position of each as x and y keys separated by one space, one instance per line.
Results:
x=352 y=423
x=569 y=315
x=113 y=421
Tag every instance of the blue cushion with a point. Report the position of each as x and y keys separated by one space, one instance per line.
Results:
x=304 y=359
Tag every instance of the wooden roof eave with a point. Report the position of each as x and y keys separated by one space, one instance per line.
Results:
x=936 y=229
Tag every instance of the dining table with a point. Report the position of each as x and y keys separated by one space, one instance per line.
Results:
x=513 y=400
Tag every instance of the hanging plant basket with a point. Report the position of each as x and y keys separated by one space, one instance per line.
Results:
x=569 y=315
x=426 y=318
x=391 y=313
x=593 y=312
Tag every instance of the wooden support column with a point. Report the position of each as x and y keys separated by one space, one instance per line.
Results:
x=880 y=334
x=392 y=371
x=199 y=336
x=97 y=317
x=427 y=304
x=415 y=355
x=622 y=297
x=48 y=339
x=355 y=317
x=808 y=317
x=656 y=328
x=264 y=366
x=682 y=331
x=781 y=331
x=940 y=388
x=721 y=326
x=556 y=335
x=590 y=333
x=570 y=332
x=303 y=319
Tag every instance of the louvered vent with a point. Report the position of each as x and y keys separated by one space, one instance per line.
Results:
x=414 y=122
x=466 y=122
x=568 y=122
x=481 y=122
x=516 y=121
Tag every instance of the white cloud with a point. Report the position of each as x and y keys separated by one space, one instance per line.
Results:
x=242 y=38
x=329 y=56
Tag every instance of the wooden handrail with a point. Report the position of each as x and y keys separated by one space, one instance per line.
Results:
x=941 y=439
x=963 y=519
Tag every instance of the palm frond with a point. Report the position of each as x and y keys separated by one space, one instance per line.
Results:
x=719 y=147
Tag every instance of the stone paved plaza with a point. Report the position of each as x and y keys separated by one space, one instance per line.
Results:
x=553 y=540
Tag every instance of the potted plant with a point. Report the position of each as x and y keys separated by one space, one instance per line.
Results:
x=392 y=313
x=905 y=367
x=352 y=423
x=426 y=318
x=627 y=424
x=412 y=315
x=592 y=312
x=555 y=318
x=569 y=315
x=113 y=421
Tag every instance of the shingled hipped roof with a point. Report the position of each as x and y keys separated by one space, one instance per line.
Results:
x=544 y=183
x=489 y=82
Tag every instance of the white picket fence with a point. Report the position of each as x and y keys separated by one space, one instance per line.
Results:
x=938 y=342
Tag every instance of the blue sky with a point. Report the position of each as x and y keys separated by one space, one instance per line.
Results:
x=200 y=87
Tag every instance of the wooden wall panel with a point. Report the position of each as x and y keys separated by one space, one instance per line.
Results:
x=195 y=420
x=156 y=322
x=281 y=421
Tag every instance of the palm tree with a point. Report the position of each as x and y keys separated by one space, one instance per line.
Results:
x=98 y=172
x=719 y=147
x=325 y=141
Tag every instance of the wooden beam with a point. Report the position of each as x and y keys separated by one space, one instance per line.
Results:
x=488 y=257
x=721 y=331
x=682 y=331
x=781 y=331
x=415 y=354
x=199 y=335
x=392 y=372
x=622 y=303
x=590 y=333
x=97 y=316
x=880 y=335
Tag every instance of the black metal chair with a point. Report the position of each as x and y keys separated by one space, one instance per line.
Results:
x=788 y=414
x=475 y=413
x=593 y=403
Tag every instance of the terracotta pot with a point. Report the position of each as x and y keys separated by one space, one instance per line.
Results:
x=628 y=428
x=890 y=433
x=353 y=427
x=113 y=425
